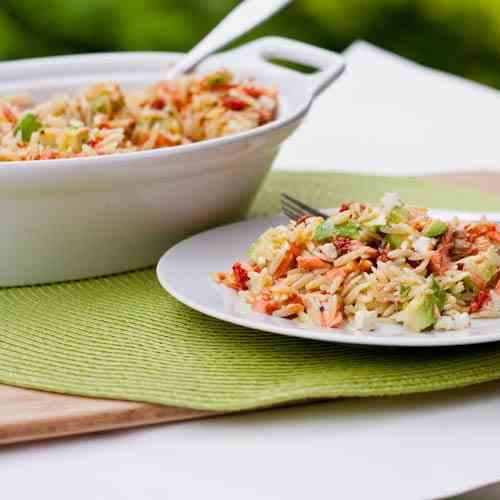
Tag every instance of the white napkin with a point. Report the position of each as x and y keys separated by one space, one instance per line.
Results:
x=389 y=116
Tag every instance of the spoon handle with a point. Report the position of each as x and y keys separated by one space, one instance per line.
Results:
x=243 y=18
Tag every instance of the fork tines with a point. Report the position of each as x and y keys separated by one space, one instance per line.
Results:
x=295 y=209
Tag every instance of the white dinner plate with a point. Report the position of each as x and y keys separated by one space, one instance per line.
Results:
x=186 y=271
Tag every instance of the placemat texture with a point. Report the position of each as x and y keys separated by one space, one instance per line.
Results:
x=123 y=337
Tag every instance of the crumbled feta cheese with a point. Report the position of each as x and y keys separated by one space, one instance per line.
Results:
x=444 y=323
x=390 y=201
x=423 y=244
x=259 y=281
x=495 y=300
x=329 y=250
x=462 y=321
x=365 y=320
x=267 y=102
x=458 y=322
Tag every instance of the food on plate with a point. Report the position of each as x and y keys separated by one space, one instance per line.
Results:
x=365 y=263
x=105 y=119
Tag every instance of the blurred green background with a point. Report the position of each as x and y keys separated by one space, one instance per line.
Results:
x=460 y=36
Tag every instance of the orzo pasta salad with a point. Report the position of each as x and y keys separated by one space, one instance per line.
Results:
x=366 y=263
x=105 y=119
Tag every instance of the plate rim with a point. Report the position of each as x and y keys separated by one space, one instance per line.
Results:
x=333 y=336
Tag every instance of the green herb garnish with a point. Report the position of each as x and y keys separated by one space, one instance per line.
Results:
x=28 y=124
x=395 y=240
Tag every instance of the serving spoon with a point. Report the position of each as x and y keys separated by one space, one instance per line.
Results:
x=247 y=15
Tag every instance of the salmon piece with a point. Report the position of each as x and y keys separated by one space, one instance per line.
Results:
x=365 y=265
x=265 y=306
x=334 y=273
x=441 y=260
x=494 y=236
x=254 y=91
x=333 y=315
x=311 y=263
x=9 y=115
x=287 y=261
x=478 y=281
x=479 y=230
x=294 y=299
x=336 y=321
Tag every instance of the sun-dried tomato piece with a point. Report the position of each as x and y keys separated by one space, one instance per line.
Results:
x=344 y=207
x=234 y=103
x=478 y=302
x=241 y=276
x=343 y=245
x=158 y=103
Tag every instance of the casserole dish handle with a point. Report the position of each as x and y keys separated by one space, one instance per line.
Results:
x=330 y=65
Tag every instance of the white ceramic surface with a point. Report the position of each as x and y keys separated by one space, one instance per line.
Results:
x=186 y=272
x=82 y=217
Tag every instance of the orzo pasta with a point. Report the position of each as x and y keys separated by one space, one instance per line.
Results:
x=105 y=119
x=369 y=263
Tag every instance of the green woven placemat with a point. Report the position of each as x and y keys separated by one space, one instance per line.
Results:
x=123 y=337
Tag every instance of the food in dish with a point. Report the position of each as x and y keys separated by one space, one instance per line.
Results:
x=368 y=263
x=105 y=119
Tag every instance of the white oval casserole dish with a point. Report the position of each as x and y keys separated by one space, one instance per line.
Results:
x=77 y=218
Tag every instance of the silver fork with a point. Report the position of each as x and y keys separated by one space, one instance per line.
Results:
x=295 y=209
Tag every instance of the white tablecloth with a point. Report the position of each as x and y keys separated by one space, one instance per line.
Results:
x=406 y=448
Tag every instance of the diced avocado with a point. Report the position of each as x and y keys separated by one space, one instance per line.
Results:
x=251 y=249
x=348 y=230
x=101 y=104
x=483 y=265
x=328 y=229
x=469 y=285
x=376 y=223
x=420 y=313
x=28 y=124
x=397 y=215
x=395 y=240
x=436 y=228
